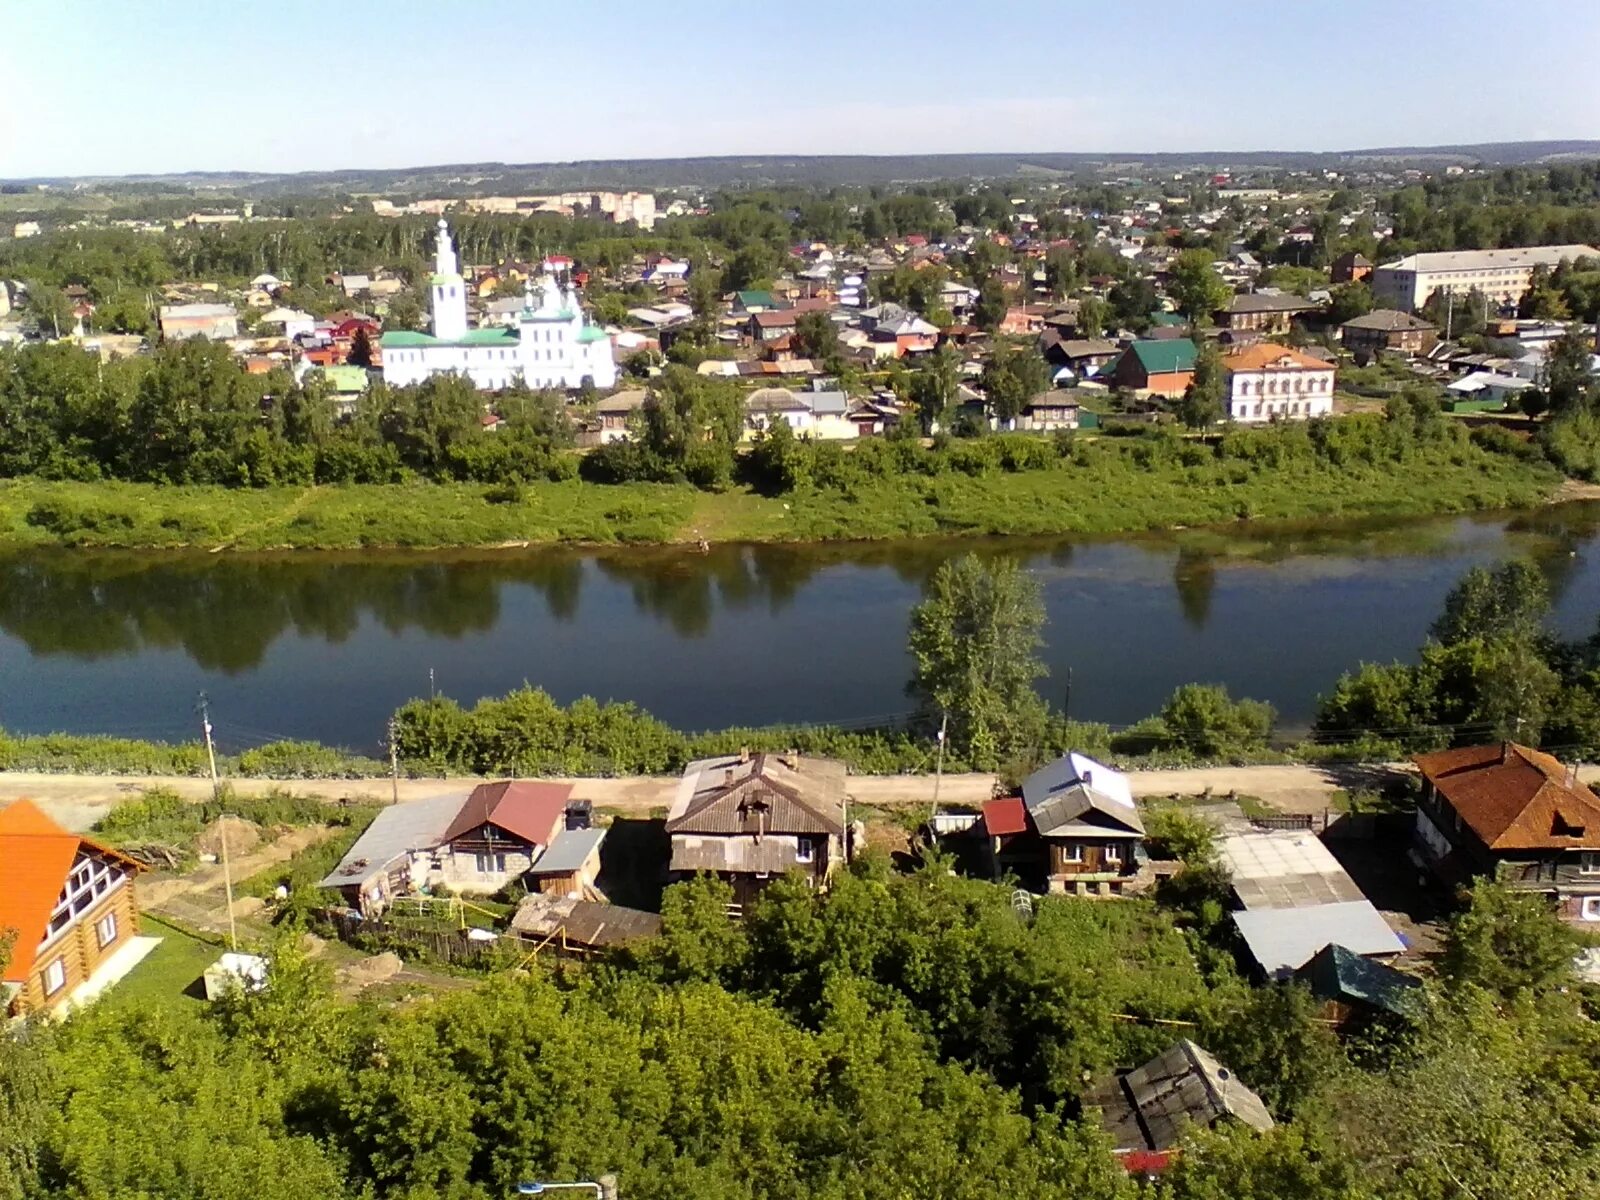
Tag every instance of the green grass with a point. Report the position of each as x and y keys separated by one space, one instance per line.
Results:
x=169 y=977
x=1104 y=488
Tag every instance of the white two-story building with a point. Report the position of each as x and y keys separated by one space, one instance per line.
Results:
x=1268 y=381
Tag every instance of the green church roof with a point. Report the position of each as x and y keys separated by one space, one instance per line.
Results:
x=593 y=333
x=493 y=336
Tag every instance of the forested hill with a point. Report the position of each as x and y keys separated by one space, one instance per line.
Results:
x=826 y=170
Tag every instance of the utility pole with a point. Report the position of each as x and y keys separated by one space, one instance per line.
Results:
x=1066 y=701
x=222 y=821
x=938 y=771
x=394 y=762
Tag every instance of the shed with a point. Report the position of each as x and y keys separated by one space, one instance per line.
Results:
x=1282 y=940
x=1151 y=1107
x=571 y=864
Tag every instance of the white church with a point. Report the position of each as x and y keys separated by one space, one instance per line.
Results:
x=550 y=346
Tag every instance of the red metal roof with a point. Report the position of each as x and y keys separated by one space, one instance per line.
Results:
x=1007 y=815
x=36 y=856
x=532 y=812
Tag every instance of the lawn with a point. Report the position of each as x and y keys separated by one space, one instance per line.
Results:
x=169 y=977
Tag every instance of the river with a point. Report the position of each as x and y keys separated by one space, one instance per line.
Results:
x=324 y=646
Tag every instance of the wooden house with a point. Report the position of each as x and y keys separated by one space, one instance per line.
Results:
x=68 y=906
x=1075 y=828
x=1513 y=813
x=752 y=818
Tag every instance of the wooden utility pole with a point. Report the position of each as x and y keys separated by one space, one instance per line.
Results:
x=222 y=819
x=394 y=763
x=938 y=772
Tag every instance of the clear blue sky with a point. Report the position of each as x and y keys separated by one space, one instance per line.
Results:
x=122 y=86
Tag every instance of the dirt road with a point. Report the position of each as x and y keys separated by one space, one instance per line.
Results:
x=77 y=801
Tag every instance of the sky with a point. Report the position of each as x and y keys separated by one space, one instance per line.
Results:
x=104 y=87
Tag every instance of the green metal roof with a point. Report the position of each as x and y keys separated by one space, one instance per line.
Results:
x=757 y=297
x=593 y=333
x=1335 y=973
x=1165 y=355
x=495 y=335
x=405 y=338
x=1167 y=320
x=346 y=379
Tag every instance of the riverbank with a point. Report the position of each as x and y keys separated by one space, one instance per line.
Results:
x=1105 y=493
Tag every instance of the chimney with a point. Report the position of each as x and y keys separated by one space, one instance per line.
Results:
x=727 y=777
x=744 y=754
x=1088 y=779
x=1571 y=776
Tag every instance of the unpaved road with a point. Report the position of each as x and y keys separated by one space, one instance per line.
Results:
x=77 y=801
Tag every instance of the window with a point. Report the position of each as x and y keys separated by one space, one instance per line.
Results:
x=1591 y=908
x=105 y=930
x=1589 y=863
x=1113 y=852
x=1072 y=852
x=55 y=977
x=804 y=851
x=491 y=863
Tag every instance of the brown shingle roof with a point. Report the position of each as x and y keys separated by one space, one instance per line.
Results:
x=1515 y=798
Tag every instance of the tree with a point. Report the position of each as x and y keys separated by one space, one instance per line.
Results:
x=1510 y=601
x=1350 y=300
x=1566 y=380
x=1132 y=302
x=405 y=311
x=1195 y=286
x=1093 y=313
x=1457 y=316
x=816 y=337
x=1203 y=402
x=1011 y=377
x=975 y=640
x=990 y=307
x=360 y=348
x=932 y=389
x=1204 y=720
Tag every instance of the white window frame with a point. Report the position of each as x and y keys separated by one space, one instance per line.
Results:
x=804 y=851
x=1589 y=908
x=101 y=935
x=1589 y=863
x=1073 y=853
x=1114 y=852
x=55 y=976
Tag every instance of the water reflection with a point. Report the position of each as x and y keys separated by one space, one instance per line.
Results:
x=1276 y=613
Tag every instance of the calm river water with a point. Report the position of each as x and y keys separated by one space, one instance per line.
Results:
x=325 y=646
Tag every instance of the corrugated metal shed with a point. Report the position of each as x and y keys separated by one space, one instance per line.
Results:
x=394 y=832
x=1282 y=940
x=571 y=849
x=1285 y=869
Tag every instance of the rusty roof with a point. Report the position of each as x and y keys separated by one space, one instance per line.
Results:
x=760 y=794
x=532 y=812
x=36 y=856
x=1005 y=816
x=1515 y=798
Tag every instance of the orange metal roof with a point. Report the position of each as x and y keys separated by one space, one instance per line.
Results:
x=1515 y=798
x=1263 y=355
x=36 y=856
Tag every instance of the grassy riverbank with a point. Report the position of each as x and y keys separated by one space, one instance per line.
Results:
x=1106 y=488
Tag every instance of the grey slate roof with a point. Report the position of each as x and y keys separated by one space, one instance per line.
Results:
x=1150 y=1107
x=760 y=794
x=1254 y=302
x=568 y=852
x=1076 y=796
x=1282 y=940
x=1387 y=320
x=394 y=832
x=1274 y=868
